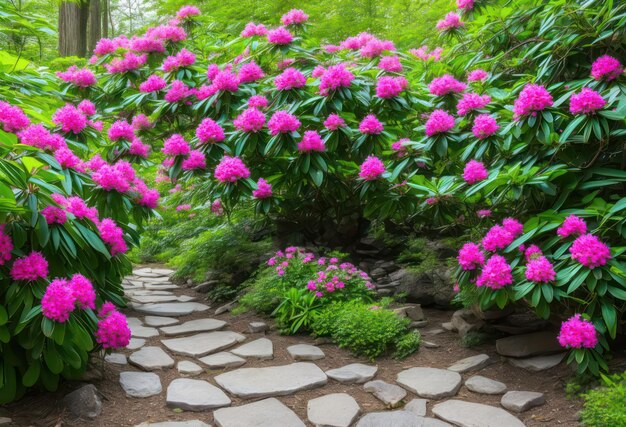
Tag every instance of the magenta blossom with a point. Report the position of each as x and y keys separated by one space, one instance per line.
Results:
x=372 y=168
x=577 y=332
x=370 y=125
x=484 y=126
x=474 y=172
x=231 y=169
x=263 y=190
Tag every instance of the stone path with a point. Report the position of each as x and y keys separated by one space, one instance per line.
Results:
x=196 y=347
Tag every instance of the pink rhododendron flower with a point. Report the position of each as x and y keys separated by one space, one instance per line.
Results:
x=399 y=147
x=257 y=101
x=376 y=47
x=95 y=163
x=68 y=160
x=390 y=87
x=172 y=33
x=445 y=85
x=121 y=129
x=331 y=48
x=372 y=168
x=531 y=99
x=146 y=45
x=294 y=17
x=106 y=309
x=112 y=235
x=147 y=197
x=283 y=122
x=180 y=208
x=250 y=120
x=357 y=42
x=130 y=62
x=532 y=252
x=253 y=29
x=177 y=92
x=30 y=267
x=138 y=148
x=289 y=79
x=470 y=102
x=77 y=207
x=279 y=36
x=40 y=137
x=477 y=75
x=217 y=208
x=370 y=125
x=318 y=71
x=250 y=72
x=390 y=63
x=334 y=77
x=6 y=245
x=87 y=107
x=153 y=84
x=113 y=331
x=474 y=172
x=231 y=169
x=70 y=118
x=12 y=118
x=495 y=274
x=196 y=160
x=53 y=215
x=116 y=177
x=81 y=77
x=483 y=213
x=588 y=101
x=540 y=270
x=187 y=11
x=225 y=80
x=451 y=21
x=497 y=238
x=423 y=54
x=484 y=126
x=513 y=226
x=590 y=251
x=183 y=58
x=311 y=141
x=438 y=122
x=263 y=191
x=606 y=67
x=141 y=121
x=577 y=332
x=334 y=122
x=83 y=292
x=209 y=132
x=104 y=47
x=572 y=225
x=176 y=145
x=58 y=301
x=465 y=4
x=471 y=257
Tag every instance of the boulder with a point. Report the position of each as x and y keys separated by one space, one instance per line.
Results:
x=84 y=402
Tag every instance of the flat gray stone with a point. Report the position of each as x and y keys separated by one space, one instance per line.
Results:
x=172 y=308
x=190 y=423
x=391 y=419
x=186 y=298
x=147 y=299
x=151 y=358
x=187 y=368
x=5 y=421
x=526 y=345
x=133 y=321
x=333 y=410
x=433 y=331
x=193 y=326
x=163 y=271
x=468 y=414
x=272 y=381
x=417 y=406
x=305 y=352
x=470 y=363
x=430 y=383
x=135 y=343
x=143 y=332
x=429 y=344
x=520 y=401
x=159 y=321
x=203 y=344
x=479 y=384
x=264 y=413
x=257 y=327
x=390 y=394
x=260 y=349
x=140 y=384
x=354 y=373
x=116 y=358
x=222 y=360
x=195 y=395
x=142 y=291
x=84 y=402
x=145 y=272
x=538 y=363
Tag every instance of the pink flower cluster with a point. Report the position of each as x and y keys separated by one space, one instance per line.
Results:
x=477 y=75
x=12 y=118
x=183 y=58
x=231 y=169
x=590 y=251
x=209 y=132
x=423 y=54
x=390 y=87
x=177 y=92
x=334 y=77
x=253 y=29
x=372 y=168
x=484 y=126
x=438 y=122
x=152 y=84
x=257 y=101
x=217 y=208
x=81 y=77
x=70 y=118
x=311 y=141
x=118 y=177
x=112 y=235
x=294 y=17
x=30 y=267
x=390 y=63
x=77 y=207
x=129 y=62
x=180 y=208
x=495 y=274
x=283 y=122
x=40 y=137
x=289 y=79
x=499 y=237
x=531 y=99
x=572 y=225
x=334 y=122
x=250 y=72
x=138 y=148
x=279 y=36
x=471 y=256
x=445 y=85
x=251 y=120
x=187 y=11
x=196 y=160
x=474 y=172
x=465 y=4
x=113 y=330
x=176 y=145
x=370 y=125
x=577 y=332
x=449 y=22
x=6 y=245
x=470 y=102
x=588 y=101
x=54 y=215
x=58 y=301
x=540 y=270
x=263 y=189
x=121 y=129
x=606 y=67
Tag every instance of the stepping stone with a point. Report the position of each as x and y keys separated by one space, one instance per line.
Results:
x=160 y=321
x=133 y=321
x=333 y=410
x=190 y=423
x=468 y=414
x=390 y=394
x=529 y=344
x=195 y=395
x=272 y=381
x=264 y=413
x=203 y=344
x=483 y=385
x=261 y=349
x=187 y=368
x=433 y=331
x=391 y=418
x=470 y=363
x=520 y=401
x=172 y=308
x=417 y=406
x=305 y=352
x=428 y=344
x=143 y=332
x=159 y=287
x=430 y=383
x=147 y=299
x=538 y=363
x=163 y=271
x=146 y=292
x=116 y=358
x=151 y=358
x=145 y=273
x=222 y=360
x=140 y=384
x=186 y=298
x=257 y=327
x=353 y=373
x=193 y=326
x=135 y=343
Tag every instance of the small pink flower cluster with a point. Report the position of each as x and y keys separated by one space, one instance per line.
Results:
x=376 y=47
x=138 y=148
x=121 y=129
x=334 y=77
x=499 y=237
x=334 y=122
x=445 y=85
x=30 y=267
x=451 y=21
x=399 y=147
x=370 y=125
x=68 y=160
x=470 y=102
x=390 y=63
x=176 y=145
x=113 y=330
x=250 y=120
x=54 y=215
x=588 y=101
x=372 y=168
x=147 y=197
x=146 y=45
x=12 y=118
x=590 y=251
x=532 y=252
x=495 y=274
x=253 y=29
x=474 y=172
x=62 y=296
x=257 y=101
x=40 y=137
x=540 y=270
x=283 y=122
x=606 y=67
x=438 y=122
x=180 y=208
x=572 y=225
x=187 y=12
x=465 y=4
x=112 y=235
x=471 y=257
x=279 y=36
x=263 y=189
x=577 y=332
x=311 y=141
x=289 y=79
x=390 y=87
x=118 y=177
x=196 y=160
x=531 y=99
x=167 y=32
x=217 y=208
x=477 y=75
x=81 y=77
x=484 y=126
x=70 y=118
x=231 y=169
x=77 y=207
x=129 y=62
x=6 y=245
x=250 y=72
x=209 y=132
x=183 y=58
x=294 y=17
x=423 y=54
x=152 y=84
x=177 y=92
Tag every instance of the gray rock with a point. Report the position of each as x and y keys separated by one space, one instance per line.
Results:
x=225 y=308
x=5 y=421
x=189 y=369
x=84 y=402
x=260 y=349
x=520 y=401
x=415 y=312
x=272 y=381
x=430 y=383
x=222 y=360
x=133 y=321
x=538 y=363
x=429 y=344
x=159 y=321
x=305 y=352
x=186 y=298
x=264 y=413
x=418 y=324
x=448 y=326
x=435 y=286
x=353 y=373
x=195 y=395
x=190 y=423
x=203 y=344
x=333 y=410
x=529 y=344
x=470 y=363
x=148 y=299
x=135 y=343
x=479 y=384
x=140 y=384
x=391 y=418
x=172 y=308
x=116 y=358
x=433 y=331
x=151 y=358
x=417 y=406
x=257 y=327
x=377 y=273
x=468 y=414
x=464 y=321
x=390 y=394
x=205 y=287
x=143 y=332
x=193 y=326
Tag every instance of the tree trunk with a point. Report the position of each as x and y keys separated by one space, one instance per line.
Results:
x=105 y=18
x=95 y=24
x=84 y=19
x=69 y=29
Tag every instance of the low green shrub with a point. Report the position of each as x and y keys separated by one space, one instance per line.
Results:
x=606 y=406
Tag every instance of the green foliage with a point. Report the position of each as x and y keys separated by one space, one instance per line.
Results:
x=297 y=310
x=604 y=406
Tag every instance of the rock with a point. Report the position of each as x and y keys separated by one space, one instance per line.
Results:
x=377 y=273
x=187 y=368
x=190 y=423
x=305 y=352
x=5 y=421
x=225 y=308
x=520 y=401
x=529 y=344
x=323 y=340
x=261 y=349
x=353 y=373
x=172 y=308
x=151 y=358
x=433 y=331
x=390 y=394
x=203 y=344
x=133 y=321
x=470 y=363
x=417 y=406
x=160 y=321
x=479 y=384
x=272 y=381
x=222 y=360
x=116 y=358
x=429 y=344
x=492 y=314
x=538 y=363
x=140 y=384
x=415 y=312
x=521 y=323
x=143 y=332
x=84 y=402
x=468 y=414
x=391 y=418
x=418 y=324
x=195 y=395
x=448 y=326
x=205 y=287
x=257 y=327
x=432 y=287
x=148 y=299
x=384 y=292
x=193 y=326
x=464 y=321
x=135 y=343
x=431 y=383
x=264 y=413
x=333 y=410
